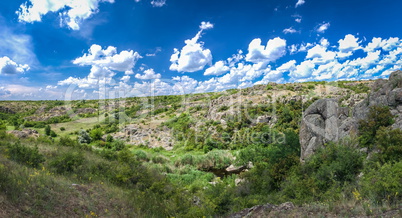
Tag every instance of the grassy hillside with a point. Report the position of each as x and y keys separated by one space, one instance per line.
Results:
x=193 y=155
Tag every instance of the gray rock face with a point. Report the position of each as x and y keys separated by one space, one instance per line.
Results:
x=326 y=121
x=322 y=122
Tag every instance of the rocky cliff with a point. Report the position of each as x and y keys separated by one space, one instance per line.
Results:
x=325 y=120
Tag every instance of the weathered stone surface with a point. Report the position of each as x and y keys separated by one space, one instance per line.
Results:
x=322 y=122
x=326 y=121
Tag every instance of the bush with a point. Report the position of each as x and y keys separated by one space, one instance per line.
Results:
x=117 y=145
x=389 y=141
x=67 y=162
x=109 y=138
x=25 y=155
x=53 y=134
x=67 y=141
x=378 y=116
x=223 y=108
x=47 y=130
x=96 y=134
x=83 y=137
x=383 y=184
x=324 y=174
x=62 y=129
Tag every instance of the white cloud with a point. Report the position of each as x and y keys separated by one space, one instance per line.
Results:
x=192 y=57
x=51 y=87
x=206 y=25
x=384 y=44
x=289 y=30
x=184 y=85
x=158 y=3
x=271 y=76
x=71 y=12
x=275 y=49
x=4 y=92
x=104 y=63
x=323 y=27
x=287 y=67
x=298 y=20
x=320 y=55
x=125 y=78
x=8 y=66
x=299 y=3
x=148 y=74
x=349 y=43
x=304 y=70
x=217 y=69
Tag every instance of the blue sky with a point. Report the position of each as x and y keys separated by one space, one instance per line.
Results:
x=75 y=49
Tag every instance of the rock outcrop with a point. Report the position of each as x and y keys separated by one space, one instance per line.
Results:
x=6 y=110
x=25 y=133
x=326 y=121
x=322 y=122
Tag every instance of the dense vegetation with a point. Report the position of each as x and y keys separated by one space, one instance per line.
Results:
x=70 y=171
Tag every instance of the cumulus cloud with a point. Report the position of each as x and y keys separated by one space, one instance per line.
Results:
x=385 y=44
x=323 y=27
x=299 y=3
x=349 y=43
x=158 y=3
x=148 y=74
x=8 y=66
x=71 y=13
x=217 y=69
x=320 y=55
x=104 y=63
x=192 y=57
x=304 y=70
x=125 y=78
x=257 y=53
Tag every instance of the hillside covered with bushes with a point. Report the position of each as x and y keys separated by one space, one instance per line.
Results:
x=210 y=154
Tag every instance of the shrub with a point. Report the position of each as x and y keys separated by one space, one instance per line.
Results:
x=62 y=129
x=25 y=155
x=47 y=130
x=117 y=145
x=67 y=162
x=324 y=174
x=67 y=141
x=109 y=138
x=53 y=134
x=378 y=116
x=389 y=141
x=141 y=155
x=223 y=108
x=96 y=134
x=383 y=184
x=83 y=137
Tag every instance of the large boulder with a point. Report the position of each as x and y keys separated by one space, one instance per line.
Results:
x=322 y=122
x=326 y=121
